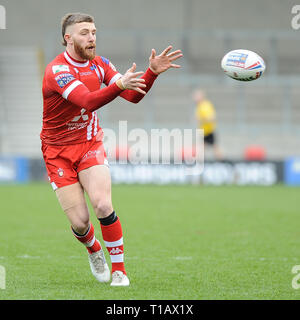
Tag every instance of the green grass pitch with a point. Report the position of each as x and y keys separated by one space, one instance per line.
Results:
x=181 y=242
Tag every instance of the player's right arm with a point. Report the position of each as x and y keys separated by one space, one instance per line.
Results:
x=70 y=88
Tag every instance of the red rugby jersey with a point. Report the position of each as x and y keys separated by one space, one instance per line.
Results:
x=72 y=92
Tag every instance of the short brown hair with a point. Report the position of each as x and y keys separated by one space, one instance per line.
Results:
x=72 y=18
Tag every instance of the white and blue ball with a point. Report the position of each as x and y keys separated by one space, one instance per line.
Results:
x=243 y=65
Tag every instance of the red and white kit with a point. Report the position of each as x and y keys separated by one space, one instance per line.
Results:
x=71 y=135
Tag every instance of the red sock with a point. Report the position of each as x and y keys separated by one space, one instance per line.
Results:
x=89 y=240
x=113 y=239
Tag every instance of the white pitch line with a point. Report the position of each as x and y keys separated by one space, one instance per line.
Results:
x=26 y=256
x=183 y=258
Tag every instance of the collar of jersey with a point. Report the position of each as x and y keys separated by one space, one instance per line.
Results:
x=74 y=62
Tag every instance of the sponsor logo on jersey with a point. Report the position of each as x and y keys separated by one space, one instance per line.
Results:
x=93 y=67
x=84 y=116
x=76 y=125
x=60 y=68
x=87 y=73
x=91 y=154
x=63 y=79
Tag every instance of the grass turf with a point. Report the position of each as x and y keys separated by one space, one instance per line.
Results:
x=181 y=242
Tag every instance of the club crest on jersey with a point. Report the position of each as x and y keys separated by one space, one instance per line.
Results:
x=60 y=172
x=60 y=68
x=63 y=79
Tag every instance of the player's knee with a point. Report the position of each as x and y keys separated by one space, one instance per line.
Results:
x=80 y=226
x=103 y=209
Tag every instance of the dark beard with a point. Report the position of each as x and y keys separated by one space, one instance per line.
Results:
x=83 y=53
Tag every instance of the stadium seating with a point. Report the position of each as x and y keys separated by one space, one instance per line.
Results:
x=20 y=87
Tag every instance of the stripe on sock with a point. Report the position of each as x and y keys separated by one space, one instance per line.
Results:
x=114 y=243
x=117 y=258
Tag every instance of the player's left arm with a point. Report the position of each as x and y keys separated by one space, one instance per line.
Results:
x=157 y=65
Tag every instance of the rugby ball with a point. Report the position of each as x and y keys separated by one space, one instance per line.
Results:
x=243 y=65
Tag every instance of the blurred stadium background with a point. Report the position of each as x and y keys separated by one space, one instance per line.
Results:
x=264 y=112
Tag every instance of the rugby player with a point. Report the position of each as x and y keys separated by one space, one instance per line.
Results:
x=71 y=137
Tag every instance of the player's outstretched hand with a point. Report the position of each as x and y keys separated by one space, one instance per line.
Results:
x=131 y=81
x=164 y=61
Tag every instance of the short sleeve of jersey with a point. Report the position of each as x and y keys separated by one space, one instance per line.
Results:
x=111 y=75
x=61 y=79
